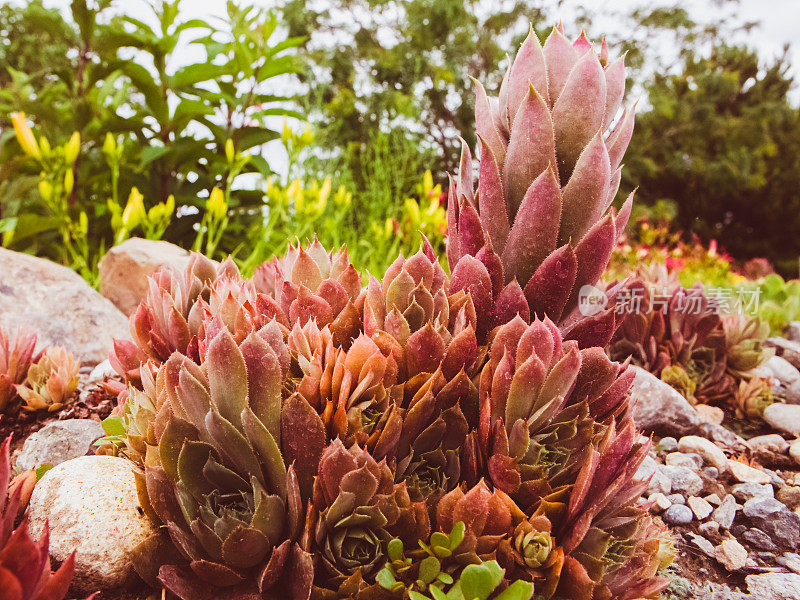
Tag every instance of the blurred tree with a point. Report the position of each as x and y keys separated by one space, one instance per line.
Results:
x=722 y=140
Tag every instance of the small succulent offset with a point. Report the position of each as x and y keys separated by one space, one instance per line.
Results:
x=297 y=432
x=24 y=563
x=440 y=570
x=16 y=355
x=51 y=382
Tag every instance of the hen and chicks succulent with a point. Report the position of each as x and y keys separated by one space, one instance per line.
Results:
x=296 y=432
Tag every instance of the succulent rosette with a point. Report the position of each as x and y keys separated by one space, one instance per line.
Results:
x=217 y=479
x=16 y=356
x=679 y=327
x=551 y=147
x=52 y=381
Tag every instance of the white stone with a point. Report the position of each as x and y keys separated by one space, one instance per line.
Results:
x=774 y=586
x=660 y=408
x=660 y=502
x=700 y=507
x=784 y=417
x=725 y=513
x=794 y=451
x=93 y=508
x=747 y=474
x=707 y=449
x=710 y=414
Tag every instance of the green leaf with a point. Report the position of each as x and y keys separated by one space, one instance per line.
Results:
x=457 y=535
x=429 y=568
x=385 y=578
x=113 y=426
x=479 y=581
x=151 y=153
x=395 y=549
x=197 y=73
x=519 y=590
x=41 y=470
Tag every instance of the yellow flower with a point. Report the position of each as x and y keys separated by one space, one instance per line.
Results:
x=69 y=181
x=25 y=136
x=45 y=189
x=230 y=152
x=110 y=144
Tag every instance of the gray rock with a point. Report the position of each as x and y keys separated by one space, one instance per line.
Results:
x=793 y=331
x=774 y=586
x=711 y=473
x=769 y=449
x=785 y=379
x=784 y=417
x=678 y=514
x=724 y=438
x=773 y=518
x=677 y=498
x=659 y=408
x=679 y=459
x=58 y=442
x=125 y=268
x=786 y=349
x=707 y=449
x=725 y=513
x=683 y=480
x=92 y=507
x=101 y=372
x=58 y=305
x=759 y=539
x=705 y=546
x=744 y=491
x=747 y=474
x=790 y=560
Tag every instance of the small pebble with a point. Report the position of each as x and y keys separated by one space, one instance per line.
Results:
x=676 y=498
x=705 y=546
x=711 y=473
x=709 y=528
x=794 y=451
x=678 y=514
x=731 y=554
x=700 y=507
x=744 y=491
x=713 y=499
x=790 y=560
x=689 y=460
x=725 y=513
x=667 y=444
x=660 y=502
x=747 y=474
x=790 y=496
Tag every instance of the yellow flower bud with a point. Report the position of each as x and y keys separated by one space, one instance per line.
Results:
x=25 y=136
x=427 y=182
x=230 y=152
x=45 y=189
x=72 y=148
x=325 y=191
x=286 y=133
x=109 y=144
x=69 y=181
x=44 y=144
x=308 y=136
x=134 y=212
x=215 y=205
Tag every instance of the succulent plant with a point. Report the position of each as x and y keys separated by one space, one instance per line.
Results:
x=52 y=381
x=444 y=568
x=751 y=397
x=24 y=563
x=313 y=283
x=680 y=327
x=744 y=343
x=550 y=154
x=217 y=478
x=16 y=356
x=360 y=507
x=297 y=432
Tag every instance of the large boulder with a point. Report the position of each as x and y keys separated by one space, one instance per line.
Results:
x=784 y=417
x=125 y=268
x=58 y=305
x=93 y=508
x=661 y=409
